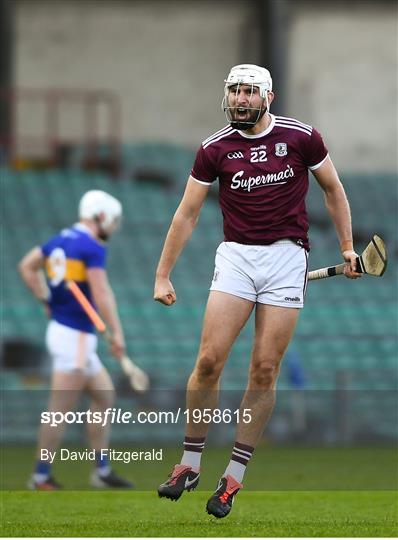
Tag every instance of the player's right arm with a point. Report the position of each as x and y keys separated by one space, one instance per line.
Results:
x=31 y=270
x=182 y=225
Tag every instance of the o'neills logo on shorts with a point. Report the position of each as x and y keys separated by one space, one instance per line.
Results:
x=253 y=182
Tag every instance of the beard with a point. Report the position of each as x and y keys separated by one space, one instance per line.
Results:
x=245 y=120
x=102 y=235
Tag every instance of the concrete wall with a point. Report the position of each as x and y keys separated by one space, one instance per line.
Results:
x=343 y=79
x=167 y=61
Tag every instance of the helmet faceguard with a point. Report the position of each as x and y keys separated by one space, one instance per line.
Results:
x=102 y=208
x=250 y=75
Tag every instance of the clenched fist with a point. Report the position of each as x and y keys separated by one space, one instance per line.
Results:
x=164 y=291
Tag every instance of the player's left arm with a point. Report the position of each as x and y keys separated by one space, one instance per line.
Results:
x=31 y=270
x=338 y=207
x=105 y=301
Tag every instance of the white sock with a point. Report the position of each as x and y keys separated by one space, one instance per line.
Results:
x=241 y=454
x=104 y=471
x=236 y=470
x=193 y=448
x=39 y=478
x=192 y=459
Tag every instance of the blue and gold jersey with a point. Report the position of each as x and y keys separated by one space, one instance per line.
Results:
x=67 y=257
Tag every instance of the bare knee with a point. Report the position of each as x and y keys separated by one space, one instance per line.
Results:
x=103 y=399
x=207 y=369
x=264 y=374
x=63 y=400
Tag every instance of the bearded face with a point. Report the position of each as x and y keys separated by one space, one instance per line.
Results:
x=244 y=106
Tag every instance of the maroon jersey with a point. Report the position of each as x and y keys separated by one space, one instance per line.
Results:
x=263 y=179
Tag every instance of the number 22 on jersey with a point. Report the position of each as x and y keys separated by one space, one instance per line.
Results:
x=258 y=155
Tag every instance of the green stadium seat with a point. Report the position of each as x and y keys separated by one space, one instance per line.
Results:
x=345 y=325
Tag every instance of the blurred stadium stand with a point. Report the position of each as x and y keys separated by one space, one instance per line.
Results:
x=72 y=119
x=346 y=337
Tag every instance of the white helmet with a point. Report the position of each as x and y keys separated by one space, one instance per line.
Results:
x=249 y=74
x=97 y=202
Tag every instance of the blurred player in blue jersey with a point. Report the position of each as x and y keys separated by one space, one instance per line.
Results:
x=77 y=253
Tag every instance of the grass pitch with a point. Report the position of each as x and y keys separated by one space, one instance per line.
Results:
x=307 y=495
x=255 y=514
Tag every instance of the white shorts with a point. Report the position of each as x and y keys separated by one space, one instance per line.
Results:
x=71 y=349
x=275 y=274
